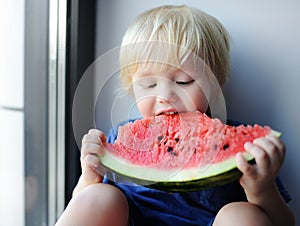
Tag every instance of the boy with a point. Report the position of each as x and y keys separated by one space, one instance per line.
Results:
x=174 y=59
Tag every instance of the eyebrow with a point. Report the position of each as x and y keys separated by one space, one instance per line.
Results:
x=147 y=73
x=143 y=74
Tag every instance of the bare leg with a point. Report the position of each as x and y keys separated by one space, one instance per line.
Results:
x=241 y=213
x=96 y=205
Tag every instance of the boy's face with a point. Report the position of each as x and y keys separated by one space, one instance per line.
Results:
x=168 y=91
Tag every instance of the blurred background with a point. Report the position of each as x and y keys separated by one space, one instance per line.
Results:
x=49 y=48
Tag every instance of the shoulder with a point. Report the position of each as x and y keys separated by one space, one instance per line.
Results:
x=231 y=122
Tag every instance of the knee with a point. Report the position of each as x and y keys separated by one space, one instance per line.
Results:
x=242 y=213
x=100 y=195
x=103 y=200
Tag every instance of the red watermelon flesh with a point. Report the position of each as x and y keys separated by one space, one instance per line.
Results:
x=157 y=148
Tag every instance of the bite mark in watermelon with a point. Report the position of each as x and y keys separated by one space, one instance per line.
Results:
x=181 y=152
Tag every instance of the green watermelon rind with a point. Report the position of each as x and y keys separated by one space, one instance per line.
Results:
x=179 y=180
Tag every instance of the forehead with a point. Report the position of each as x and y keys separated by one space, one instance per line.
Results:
x=154 y=68
x=166 y=70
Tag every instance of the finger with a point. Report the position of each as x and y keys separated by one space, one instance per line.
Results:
x=91 y=138
x=279 y=144
x=243 y=165
x=89 y=174
x=98 y=133
x=101 y=170
x=270 y=148
x=92 y=161
x=261 y=157
x=92 y=149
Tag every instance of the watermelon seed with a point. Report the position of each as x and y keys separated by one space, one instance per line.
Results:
x=160 y=138
x=169 y=149
x=176 y=139
x=195 y=150
x=225 y=146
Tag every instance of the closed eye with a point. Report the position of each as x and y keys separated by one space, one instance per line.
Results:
x=147 y=85
x=183 y=83
x=151 y=85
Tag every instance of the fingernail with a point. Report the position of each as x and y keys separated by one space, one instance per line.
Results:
x=247 y=145
x=238 y=155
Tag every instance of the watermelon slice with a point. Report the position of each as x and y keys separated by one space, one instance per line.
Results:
x=180 y=152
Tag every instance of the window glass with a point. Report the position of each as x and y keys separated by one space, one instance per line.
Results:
x=12 y=195
x=11 y=167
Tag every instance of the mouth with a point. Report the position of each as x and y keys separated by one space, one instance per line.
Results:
x=168 y=113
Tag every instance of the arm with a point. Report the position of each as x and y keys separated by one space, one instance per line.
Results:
x=92 y=148
x=258 y=180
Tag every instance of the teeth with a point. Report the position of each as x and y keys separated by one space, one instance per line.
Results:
x=171 y=113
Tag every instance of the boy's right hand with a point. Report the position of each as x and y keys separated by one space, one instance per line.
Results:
x=91 y=150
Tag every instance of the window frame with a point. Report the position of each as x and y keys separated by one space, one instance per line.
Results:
x=36 y=112
x=59 y=46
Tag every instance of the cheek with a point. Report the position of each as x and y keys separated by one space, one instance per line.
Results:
x=145 y=106
x=197 y=101
x=202 y=105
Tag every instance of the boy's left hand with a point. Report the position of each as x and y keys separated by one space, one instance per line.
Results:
x=269 y=153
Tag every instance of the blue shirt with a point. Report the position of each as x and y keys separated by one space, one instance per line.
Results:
x=154 y=207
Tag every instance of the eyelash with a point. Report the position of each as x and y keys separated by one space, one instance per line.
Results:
x=151 y=85
x=181 y=83
x=184 y=83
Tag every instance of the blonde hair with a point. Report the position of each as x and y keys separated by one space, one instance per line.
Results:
x=156 y=35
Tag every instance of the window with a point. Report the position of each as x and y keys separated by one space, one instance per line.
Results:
x=12 y=203
x=43 y=55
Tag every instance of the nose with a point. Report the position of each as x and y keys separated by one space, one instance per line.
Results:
x=167 y=94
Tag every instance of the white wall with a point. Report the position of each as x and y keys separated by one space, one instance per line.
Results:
x=264 y=86
x=12 y=204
